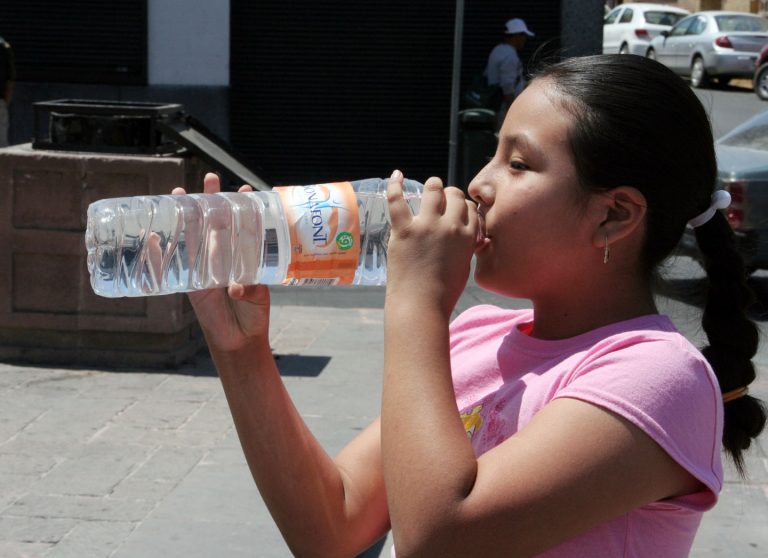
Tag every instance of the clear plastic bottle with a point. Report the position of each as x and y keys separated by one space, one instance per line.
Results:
x=323 y=234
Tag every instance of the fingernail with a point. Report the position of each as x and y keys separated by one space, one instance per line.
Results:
x=396 y=175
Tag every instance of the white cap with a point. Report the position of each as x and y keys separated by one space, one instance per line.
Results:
x=515 y=26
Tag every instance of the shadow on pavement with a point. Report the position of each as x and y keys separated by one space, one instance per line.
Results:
x=294 y=365
x=374 y=551
x=735 y=86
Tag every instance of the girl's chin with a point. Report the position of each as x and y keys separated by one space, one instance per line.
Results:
x=488 y=279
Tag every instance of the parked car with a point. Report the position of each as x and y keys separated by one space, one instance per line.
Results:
x=714 y=44
x=760 y=79
x=629 y=28
x=742 y=170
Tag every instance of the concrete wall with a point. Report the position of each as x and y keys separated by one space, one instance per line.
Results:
x=188 y=42
x=48 y=311
x=740 y=5
x=748 y=6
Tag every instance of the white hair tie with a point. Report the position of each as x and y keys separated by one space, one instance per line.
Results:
x=720 y=200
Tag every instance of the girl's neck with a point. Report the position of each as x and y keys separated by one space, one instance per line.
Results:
x=569 y=316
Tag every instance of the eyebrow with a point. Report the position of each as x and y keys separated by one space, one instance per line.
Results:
x=522 y=141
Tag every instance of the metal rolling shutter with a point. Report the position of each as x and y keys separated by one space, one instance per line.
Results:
x=340 y=90
x=78 y=41
x=346 y=89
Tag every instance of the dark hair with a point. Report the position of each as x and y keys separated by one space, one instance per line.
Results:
x=638 y=124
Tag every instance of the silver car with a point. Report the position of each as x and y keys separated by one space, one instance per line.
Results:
x=715 y=44
x=629 y=28
x=742 y=169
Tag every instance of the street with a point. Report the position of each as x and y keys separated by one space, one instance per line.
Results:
x=730 y=106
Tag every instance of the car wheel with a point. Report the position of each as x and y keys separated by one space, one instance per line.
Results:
x=761 y=82
x=699 y=76
x=624 y=49
x=651 y=54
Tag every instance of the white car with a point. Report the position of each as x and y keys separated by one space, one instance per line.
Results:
x=629 y=28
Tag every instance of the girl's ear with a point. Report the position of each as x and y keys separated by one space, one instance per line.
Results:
x=619 y=213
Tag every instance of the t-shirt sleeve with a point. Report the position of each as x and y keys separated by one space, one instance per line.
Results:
x=668 y=391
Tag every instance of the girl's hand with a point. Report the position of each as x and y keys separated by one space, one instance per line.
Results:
x=429 y=255
x=232 y=317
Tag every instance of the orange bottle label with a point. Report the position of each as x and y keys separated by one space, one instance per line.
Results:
x=324 y=226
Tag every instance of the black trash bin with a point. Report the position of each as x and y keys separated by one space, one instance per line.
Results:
x=477 y=143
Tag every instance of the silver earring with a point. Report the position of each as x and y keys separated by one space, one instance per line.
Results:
x=606 y=250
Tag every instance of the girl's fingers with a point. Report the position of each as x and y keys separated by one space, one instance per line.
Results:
x=455 y=205
x=236 y=291
x=211 y=184
x=248 y=293
x=399 y=212
x=433 y=199
x=154 y=255
x=436 y=201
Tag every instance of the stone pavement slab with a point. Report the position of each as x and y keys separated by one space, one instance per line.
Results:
x=136 y=464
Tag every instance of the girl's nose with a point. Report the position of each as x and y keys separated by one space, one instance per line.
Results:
x=480 y=189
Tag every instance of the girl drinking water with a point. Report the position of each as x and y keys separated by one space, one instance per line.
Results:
x=585 y=426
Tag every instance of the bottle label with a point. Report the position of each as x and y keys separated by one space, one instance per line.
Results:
x=324 y=226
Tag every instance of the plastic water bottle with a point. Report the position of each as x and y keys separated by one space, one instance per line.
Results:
x=321 y=234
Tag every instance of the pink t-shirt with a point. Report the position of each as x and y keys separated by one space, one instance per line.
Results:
x=642 y=369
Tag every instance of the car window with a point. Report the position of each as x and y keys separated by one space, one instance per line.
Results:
x=626 y=17
x=736 y=22
x=753 y=134
x=682 y=27
x=611 y=17
x=663 y=18
x=698 y=26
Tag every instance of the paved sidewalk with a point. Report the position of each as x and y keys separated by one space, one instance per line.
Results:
x=128 y=464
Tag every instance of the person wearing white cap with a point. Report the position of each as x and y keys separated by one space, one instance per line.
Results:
x=504 y=67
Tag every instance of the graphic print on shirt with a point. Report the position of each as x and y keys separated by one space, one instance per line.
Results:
x=472 y=421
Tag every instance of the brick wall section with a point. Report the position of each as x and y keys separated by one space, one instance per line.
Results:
x=48 y=311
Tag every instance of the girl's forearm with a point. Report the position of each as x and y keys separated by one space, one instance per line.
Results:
x=429 y=465
x=298 y=480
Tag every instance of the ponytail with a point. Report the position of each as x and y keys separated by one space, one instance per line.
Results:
x=617 y=128
x=733 y=337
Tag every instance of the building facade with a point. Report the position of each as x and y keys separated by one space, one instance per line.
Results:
x=302 y=90
x=749 y=6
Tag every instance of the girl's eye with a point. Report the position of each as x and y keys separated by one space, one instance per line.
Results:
x=518 y=165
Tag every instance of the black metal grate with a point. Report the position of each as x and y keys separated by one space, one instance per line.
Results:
x=133 y=127
x=103 y=126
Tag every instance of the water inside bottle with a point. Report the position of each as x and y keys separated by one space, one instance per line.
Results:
x=162 y=244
